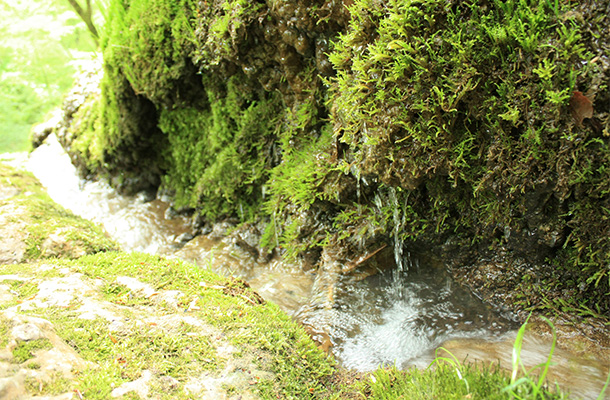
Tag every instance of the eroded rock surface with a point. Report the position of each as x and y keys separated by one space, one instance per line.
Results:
x=83 y=298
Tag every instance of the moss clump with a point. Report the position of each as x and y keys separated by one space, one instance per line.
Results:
x=217 y=158
x=464 y=110
x=439 y=123
x=24 y=351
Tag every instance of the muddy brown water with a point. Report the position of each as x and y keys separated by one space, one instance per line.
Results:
x=393 y=317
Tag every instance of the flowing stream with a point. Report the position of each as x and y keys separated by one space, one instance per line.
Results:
x=395 y=316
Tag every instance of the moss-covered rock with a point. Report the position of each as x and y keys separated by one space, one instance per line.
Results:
x=33 y=227
x=469 y=113
x=478 y=128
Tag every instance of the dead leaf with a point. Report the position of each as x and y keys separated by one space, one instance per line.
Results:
x=580 y=107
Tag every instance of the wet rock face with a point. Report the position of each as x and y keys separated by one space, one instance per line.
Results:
x=282 y=45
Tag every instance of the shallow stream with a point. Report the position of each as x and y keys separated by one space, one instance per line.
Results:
x=389 y=317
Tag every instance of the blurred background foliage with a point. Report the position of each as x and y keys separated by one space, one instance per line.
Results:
x=41 y=46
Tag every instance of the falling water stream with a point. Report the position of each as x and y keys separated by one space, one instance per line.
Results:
x=397 y=316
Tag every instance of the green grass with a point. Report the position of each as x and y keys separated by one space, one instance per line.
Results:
x=56 y=385
x=301 y=370
x=38 y=42
x=24 y=351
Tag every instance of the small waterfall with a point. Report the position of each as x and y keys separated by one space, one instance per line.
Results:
x=399 y=221
x=357 y=175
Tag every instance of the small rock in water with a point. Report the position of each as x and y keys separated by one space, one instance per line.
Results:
x=185 y=237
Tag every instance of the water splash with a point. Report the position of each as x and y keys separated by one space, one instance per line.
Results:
x=399 y=318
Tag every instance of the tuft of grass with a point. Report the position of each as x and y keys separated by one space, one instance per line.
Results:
x=55 y=385
x=440 y=383
x=24 y=289
x=5 y=328
x=531 y=384
x=24 y=351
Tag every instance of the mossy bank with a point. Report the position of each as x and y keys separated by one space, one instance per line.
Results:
x=33 y=227
x=479 y=129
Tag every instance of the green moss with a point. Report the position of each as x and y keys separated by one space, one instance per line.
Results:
x=148 y=42
x=217 y=158
x=24 y=351
x=5 y=328
x=453 y=121
x=45 y=218
x=297 y=362
x=88 y=143
x=56 y=385
x=24 y=289
x=20 y=180
x=464 y=107
x=222 y=21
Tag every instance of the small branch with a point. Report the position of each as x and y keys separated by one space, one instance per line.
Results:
x=86 y=16
x=353 y=265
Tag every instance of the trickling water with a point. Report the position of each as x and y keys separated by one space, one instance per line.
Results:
x=398 y=225
x=137 y=224
x=397 y=316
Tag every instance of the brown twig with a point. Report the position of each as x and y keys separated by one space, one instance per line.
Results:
x=353 y=265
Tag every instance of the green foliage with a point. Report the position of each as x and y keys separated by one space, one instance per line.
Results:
x=24 y=351
x=88 y=141
x=223 y=22
x=527 y=384
x=5 y=326
x=446 y=381
x=56 y=384
x=39 y=41
x=152 y=52
x=296 y=183
x=145 y=44
x=451 y=119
